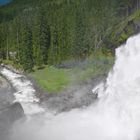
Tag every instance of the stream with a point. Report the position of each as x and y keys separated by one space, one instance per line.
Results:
x=115 y=115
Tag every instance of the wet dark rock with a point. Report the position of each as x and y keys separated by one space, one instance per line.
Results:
x=9 y=111
x=14 y=112
x=8 y=116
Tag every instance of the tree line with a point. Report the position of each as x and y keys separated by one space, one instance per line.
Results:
x=48 y=32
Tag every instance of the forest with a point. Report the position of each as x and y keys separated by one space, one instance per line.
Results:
x=48 y=32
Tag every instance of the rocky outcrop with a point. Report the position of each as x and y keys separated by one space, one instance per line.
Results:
x=9 y=111
x=6 y=96
x=8 y=116
x=75 y=97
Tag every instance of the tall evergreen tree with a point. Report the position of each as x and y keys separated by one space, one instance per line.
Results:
x=2 y=42
x=80 y=32
x=38 y=53
x=41 y=38
x=27 y=49
x=45 y=37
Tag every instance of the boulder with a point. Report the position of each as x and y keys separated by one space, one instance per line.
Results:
x=9 y=111
x=8 y=116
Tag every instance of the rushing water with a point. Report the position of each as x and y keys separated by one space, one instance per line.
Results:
x=25 y=92
x=115 y=116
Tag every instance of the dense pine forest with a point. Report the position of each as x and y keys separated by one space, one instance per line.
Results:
x=35 y=33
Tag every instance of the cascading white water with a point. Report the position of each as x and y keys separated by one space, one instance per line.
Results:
x=25 y=92
x=115 y=116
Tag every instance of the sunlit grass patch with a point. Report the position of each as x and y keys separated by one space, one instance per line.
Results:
x=54 y=80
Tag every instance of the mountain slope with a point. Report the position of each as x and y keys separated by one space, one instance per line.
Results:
x=48 y=32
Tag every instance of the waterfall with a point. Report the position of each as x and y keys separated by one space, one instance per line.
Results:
x=114 y=116
x=25 y=93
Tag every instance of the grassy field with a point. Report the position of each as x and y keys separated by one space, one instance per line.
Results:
x=55 y=80
x=52 y=79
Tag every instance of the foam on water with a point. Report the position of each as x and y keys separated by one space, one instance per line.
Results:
x=25 y=92
x=115 y=116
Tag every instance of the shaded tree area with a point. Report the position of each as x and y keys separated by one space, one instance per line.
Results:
x=37 y=33
x=126 y=7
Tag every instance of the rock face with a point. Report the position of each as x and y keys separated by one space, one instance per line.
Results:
x=6 y=96
x=7 y=118
x=9 y=111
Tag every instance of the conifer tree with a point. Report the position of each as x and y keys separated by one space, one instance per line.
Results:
x=44 y=37
x=41 y=39
x=27 y=50
x=38 y=53
x=80 y=32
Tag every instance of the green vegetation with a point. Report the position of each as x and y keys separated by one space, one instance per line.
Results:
x=41 y=34
x=55 y=80
x=126 y=28
x=35 y=33
x=52 y=79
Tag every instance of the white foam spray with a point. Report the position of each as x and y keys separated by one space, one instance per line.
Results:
x=115 y=116
x=25 y=92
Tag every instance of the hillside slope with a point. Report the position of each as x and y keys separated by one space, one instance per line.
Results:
x=49 y=32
